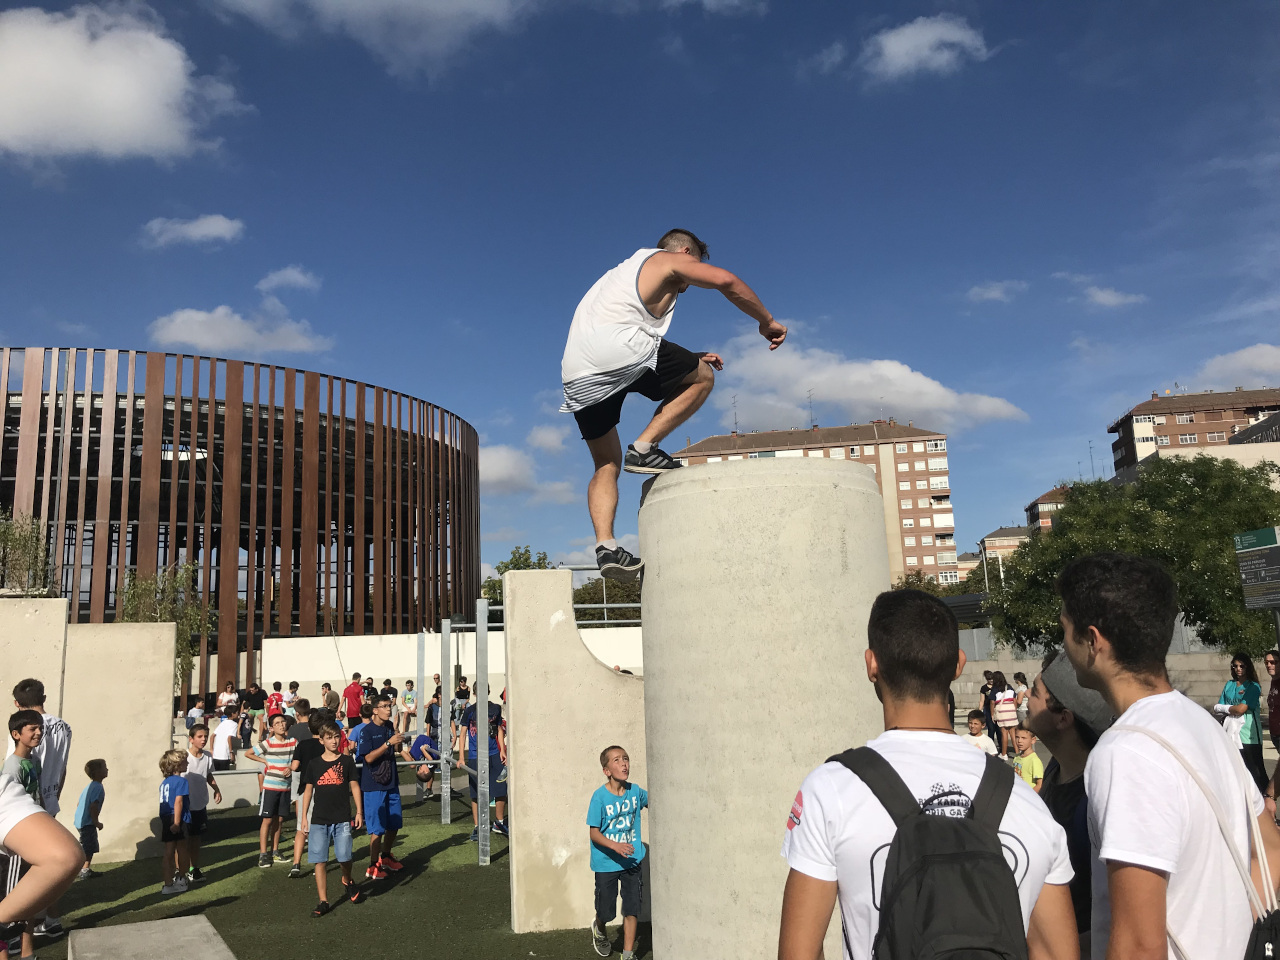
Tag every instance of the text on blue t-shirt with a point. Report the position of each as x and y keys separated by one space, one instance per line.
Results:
x=170 y=789
x=618 y=818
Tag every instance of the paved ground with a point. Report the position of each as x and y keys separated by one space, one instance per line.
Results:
x=441 y=905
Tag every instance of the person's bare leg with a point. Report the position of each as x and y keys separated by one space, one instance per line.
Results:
x=680 y=406
x=54 y=857
x=322 y=881
x=629 y=926
x=602 y=491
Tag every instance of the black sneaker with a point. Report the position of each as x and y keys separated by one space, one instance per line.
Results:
x=321 y=909
x=194 y=875
x=618 y=564
x=352 y=892
x=655 y=461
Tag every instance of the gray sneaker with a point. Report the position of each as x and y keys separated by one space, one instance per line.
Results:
x=618 y=564
x=264 y=859
x=655 y=461
x=599 y=941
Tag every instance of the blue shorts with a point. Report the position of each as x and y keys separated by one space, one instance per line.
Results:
x=323 y=834
x=497 y=778
x=382 y=811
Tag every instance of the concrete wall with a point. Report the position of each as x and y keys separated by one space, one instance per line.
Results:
x=128 y=665
x=759 y=576
x=316 y=660
x=98 y=677
x=564 y=707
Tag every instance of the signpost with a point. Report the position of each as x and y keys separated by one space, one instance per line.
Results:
x=1258 y=556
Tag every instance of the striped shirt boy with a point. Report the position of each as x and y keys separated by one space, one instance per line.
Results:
x=278 y=754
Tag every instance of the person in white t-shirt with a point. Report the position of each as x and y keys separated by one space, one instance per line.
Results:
x=199 y=777
x=838 y=835
x=977 y=735
x=224 y=740
x=617 y=345
x=1168 y=872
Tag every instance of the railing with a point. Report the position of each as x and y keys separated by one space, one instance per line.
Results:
x=606 y=606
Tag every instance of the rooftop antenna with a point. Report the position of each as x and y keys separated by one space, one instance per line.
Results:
x=1079 y=470
x=735 y=412
x=1092 y=469
x=812 y=422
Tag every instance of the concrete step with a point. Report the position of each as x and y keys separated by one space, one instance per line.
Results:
x=191 y=938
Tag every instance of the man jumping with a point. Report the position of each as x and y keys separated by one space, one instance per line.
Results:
x=617 y=346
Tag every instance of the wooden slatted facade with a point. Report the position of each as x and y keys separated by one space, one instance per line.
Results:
x=354 y=509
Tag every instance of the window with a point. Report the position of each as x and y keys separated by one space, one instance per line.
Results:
x=922 y=484
x=1186 y=418
x=907 y=523
x=1160 y=421
x=1162 y=441
x=911 y=561
x=752 y=456
x=901 y=448
x=1144 y=419
x=908 y=541
x=923 y=503
x=903 y=466
x=928 y=559
x=937 y=463
x=904 y=484
x=919 y=465
x=946 y=559
x=926 y=522
x=1145 y=439
x=764 y=454
x=1187 y=438
x=1219 y=437
x=936 y=446
x=944 y=519
x=941 y=503
x=835 y=453
x=939 y=483
x=926 y=541
x=713 y=459
x=905 y=504
x=946 y=539
x=853 y=451
x=789 y=453
x=948 y=576
x=814 y=453
x=917 y=448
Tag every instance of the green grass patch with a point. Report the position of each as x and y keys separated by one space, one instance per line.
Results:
x=441 y=905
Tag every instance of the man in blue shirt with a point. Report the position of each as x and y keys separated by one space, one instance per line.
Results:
x=468 y=728
x=376 y=748
x=616 y=850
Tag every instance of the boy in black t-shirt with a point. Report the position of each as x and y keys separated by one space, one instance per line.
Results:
x=332 y=782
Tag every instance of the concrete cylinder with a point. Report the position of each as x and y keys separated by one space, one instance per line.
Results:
x=759 y=576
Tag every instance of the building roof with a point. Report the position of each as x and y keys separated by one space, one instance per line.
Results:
x=1056 y=495
x=1008 y=533
x=876 y=431
x=1209 y=400
x=964 y=557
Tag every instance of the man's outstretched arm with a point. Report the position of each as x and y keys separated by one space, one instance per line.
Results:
x=698 y=274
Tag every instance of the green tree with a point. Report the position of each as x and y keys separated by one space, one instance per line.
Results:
x=1181 y=512
x=596 y=590
x=522 y=558
x=171 y=596
x=917 y=579
x=25 y=569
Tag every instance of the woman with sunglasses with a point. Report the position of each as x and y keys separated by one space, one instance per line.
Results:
x=1241 y=697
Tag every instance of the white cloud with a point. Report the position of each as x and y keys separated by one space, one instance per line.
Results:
x=1251 y=367
x=1077 y=278
x=101 y=81
x=559 y=491
x=772 y=390
x=413 y=35
x=222 y=332
x=548 y=437
x=938 y=45
x=486 y=571
x=1001 y=290
x=505 y=470
x=1109 y=297
x=824 y=61
x=502 y=533
x=210 y=228
x=291 y=277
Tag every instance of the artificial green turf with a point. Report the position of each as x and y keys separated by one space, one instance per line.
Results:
x=441 y=905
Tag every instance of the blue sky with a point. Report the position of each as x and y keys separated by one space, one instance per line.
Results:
x=1010 y=222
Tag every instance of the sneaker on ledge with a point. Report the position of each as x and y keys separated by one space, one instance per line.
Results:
x=618 y=564
x=655 y=461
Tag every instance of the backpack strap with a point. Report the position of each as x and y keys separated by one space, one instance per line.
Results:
x=993 y=793
x=883 y=781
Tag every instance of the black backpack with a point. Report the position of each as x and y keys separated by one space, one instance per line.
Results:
x=948 y=891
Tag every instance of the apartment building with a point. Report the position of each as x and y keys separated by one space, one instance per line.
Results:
x=1186 y=421
x=1040 y=511
x=911 y=470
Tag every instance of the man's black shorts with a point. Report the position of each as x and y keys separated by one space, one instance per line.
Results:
x=674 y=364
x=199 y=822
x=607 y=893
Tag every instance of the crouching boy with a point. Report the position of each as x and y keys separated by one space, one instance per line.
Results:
x=616 y=850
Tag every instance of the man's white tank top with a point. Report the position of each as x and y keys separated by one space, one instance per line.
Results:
x=613 y=339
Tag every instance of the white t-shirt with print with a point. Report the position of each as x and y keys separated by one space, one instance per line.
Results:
x=837 y=826
x=981 y=741
x=222 y=739
x=1145 y=809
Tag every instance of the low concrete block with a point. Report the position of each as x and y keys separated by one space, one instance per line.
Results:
x=192 y=938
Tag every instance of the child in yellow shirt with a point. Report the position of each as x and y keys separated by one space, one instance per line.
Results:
x=1026 y=763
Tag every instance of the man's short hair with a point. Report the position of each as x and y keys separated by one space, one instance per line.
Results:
x=325 y=686
x=676 y=238
x=196 y=728
x=23 y=718
x=276 y=686
x=916 y=642
x=302 y=707
x=366 y=710
x=355 y=676
x=377 y=701
x=326 y=728
x=976 y=715
x=604 y=754
x=94 y=769
x=29 y=693
x=1131 y=600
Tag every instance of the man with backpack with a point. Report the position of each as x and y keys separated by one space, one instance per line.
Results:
x=1158 y=779
x=930 y=845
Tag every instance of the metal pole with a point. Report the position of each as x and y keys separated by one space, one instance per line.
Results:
x=604 y=596
x=986 y=581
x=417 y=699
x=446 y=741
x=1000 y=561
x=482 y=729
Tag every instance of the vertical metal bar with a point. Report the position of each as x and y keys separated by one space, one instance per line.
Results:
x=24 y=496
x=417 y=688
x=251 y=561
x=359 y=556
x=378 y=533
x=126 y=468
x=341 y=560
x=446 y=741
x=289 y=437
x=482 y=728
x=148 y=541
x=309 y=521
x=64 y=463
x=82 y=501
x=102 y=506
x=229 y=544
x=269 y=593
x=206 y=536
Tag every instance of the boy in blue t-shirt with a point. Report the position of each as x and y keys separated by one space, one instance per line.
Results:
x=469 y=736
x=174 y=817
x=616 y=850
x=88 y=814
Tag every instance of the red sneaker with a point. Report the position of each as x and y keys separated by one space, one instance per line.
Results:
x=389 y=862
x=376 y=873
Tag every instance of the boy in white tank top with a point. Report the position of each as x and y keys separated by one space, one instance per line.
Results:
x=617 y=345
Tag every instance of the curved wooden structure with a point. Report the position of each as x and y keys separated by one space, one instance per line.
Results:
x=356 y=509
